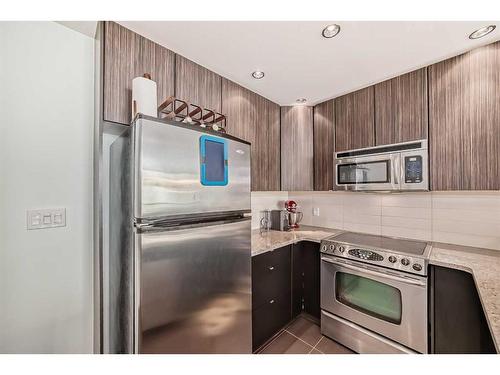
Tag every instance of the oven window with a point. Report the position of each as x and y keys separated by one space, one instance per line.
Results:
x=364 y=173
x=371 y=297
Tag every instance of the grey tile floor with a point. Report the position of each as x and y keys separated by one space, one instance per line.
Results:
x=302 y=336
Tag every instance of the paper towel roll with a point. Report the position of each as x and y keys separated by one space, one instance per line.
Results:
x=144 y=99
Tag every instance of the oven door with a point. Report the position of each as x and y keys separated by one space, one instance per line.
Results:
x=368 y=173
x=390 y=303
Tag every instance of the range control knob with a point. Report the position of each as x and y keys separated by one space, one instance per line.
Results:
x=417 y=267
x=392 y=259
x=332 y=248
x=323 y=248
x=405 y=261
x=341 y=249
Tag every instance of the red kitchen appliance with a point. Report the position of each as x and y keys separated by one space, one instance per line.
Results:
x=294 y=217
x=291 y=206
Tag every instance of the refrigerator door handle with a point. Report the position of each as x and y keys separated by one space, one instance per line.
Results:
x=193 y=222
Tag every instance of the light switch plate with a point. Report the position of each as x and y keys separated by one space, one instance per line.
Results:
x=47 y=218
x=316 y=211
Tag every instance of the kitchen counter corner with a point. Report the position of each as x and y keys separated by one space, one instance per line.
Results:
x=268 y=241
x=484 y=265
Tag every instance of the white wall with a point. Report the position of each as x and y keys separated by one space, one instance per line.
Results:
x=46 y=124
x=469 y=218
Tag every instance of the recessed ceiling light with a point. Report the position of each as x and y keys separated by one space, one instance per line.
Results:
x=301 y=100
x=258 y=74
x=330 y=31
x=483 y=31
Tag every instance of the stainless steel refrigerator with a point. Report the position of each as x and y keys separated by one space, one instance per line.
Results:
x=180 y=256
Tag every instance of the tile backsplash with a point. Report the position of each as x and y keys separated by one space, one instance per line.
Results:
x=464 y=218
x=266 y=200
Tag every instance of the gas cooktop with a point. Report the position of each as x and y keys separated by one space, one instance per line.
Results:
x=401 y=254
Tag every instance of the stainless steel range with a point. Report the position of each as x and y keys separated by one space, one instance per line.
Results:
x=374 y=293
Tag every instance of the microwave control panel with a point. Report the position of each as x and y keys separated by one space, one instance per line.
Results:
x=413 y=169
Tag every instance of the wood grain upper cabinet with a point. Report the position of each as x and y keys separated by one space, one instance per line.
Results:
x=255 y=119
x=297 y=148
x=128 y=55
x=355 y=120
x=274 y=149
x=260 y=149
x=464 y=121
x=324 y=145
x=401 y=108
x=197 y=84
x=239 y=107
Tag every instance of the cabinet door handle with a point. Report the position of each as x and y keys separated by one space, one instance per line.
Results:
x=271 y=268
x=271 y=301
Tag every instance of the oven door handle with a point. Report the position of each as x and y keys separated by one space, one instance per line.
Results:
x=375 y=273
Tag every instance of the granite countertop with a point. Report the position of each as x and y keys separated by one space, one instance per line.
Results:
x=271 y=240
x=483 y=264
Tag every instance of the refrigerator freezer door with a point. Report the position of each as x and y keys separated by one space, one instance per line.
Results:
x=194 y=293
x=167 y=172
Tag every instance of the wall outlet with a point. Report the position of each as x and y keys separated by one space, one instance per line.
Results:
x=43 y=219
x=315 y=211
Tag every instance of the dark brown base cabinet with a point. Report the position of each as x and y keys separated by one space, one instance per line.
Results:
x=271 y=294
x=306 y=279
x=457 y=321
x=285 y=283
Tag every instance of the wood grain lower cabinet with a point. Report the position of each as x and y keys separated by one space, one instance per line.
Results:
x=401 y=111
x=197 y=84
x=256 y=120
x=297 y=168
x=457 y=321
x=324 y=138
x=128 y=55
x=355 y=120
x=464 y=121
x=271 y=294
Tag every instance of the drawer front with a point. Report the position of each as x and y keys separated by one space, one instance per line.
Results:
x=270 y=276
x=269 y=318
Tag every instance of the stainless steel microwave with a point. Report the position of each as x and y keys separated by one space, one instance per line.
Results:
x=396 y=167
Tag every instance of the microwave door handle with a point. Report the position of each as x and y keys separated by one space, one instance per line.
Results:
x=375 y=273
x=396 y=169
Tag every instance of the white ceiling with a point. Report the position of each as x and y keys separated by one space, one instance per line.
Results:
x=300 y=63
x=85 y=27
